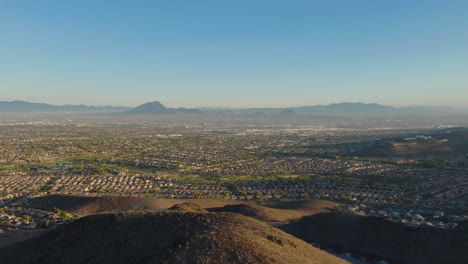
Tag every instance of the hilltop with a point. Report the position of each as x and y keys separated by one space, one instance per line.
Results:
x=165 y=237
x=188 y=207
x=258 y=212
x=278 y=211
x=156 y=108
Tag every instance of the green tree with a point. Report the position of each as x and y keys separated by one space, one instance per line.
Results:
x=27 y=219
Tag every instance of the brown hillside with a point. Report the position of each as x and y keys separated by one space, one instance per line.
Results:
x=377 y=236
x=258 y=212
x=271 y=211
x=456 y=144
x=165 y=237
x=70 y=203
x=85 y=205
x=278 y=211
x=188 y=207
x=408 y=149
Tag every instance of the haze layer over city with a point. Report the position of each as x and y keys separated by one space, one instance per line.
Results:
x=233 y=132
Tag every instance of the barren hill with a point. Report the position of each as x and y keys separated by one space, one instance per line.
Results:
x=271 y=211
x=278 y=211
x=377 y=236
x=86 y=205
x=165 y=237
x=451 y=143
x=258 y=212
x=188 y=207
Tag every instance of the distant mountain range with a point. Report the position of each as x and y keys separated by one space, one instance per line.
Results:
x=341 y=108
x=22 y=106
x=156 y=108
x=353 y=109
x=344 y=108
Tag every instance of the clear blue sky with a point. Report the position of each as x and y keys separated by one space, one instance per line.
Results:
x=234 y=53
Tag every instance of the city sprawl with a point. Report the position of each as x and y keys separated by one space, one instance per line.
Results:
x=250 y=163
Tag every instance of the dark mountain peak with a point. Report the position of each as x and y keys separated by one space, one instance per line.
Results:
x=155 y=104
x=288 y=112
x=156 y=108
x=152 y=105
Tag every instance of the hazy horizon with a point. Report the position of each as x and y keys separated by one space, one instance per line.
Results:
x=241 y=54
x=236 y=107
